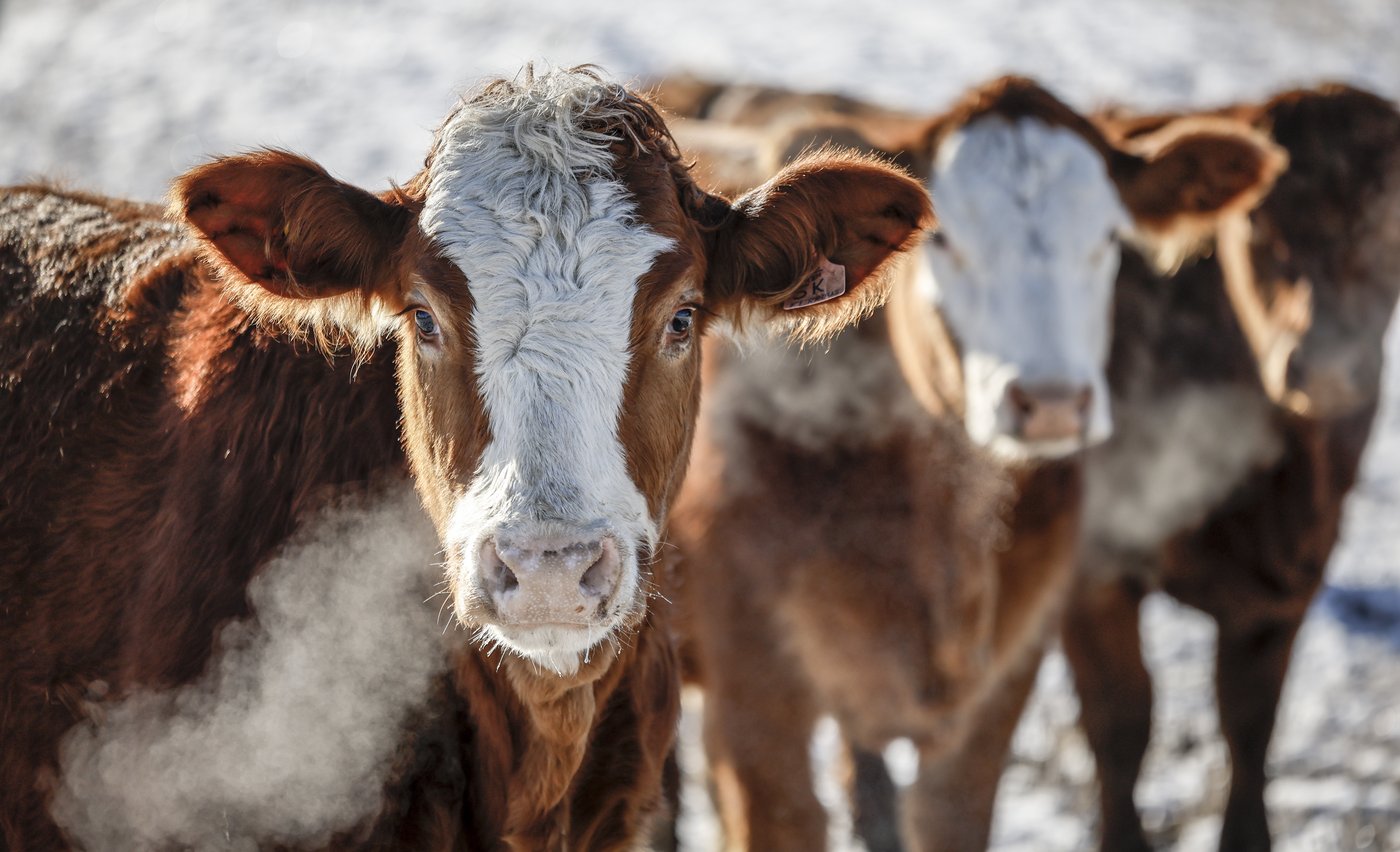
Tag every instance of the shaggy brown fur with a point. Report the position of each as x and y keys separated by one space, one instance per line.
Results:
x=1249 y=550
x=848 y=550
x=161 y=440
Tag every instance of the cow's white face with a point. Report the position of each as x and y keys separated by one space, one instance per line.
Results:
x=550 y=530
x=549 y=411
x=1022 y=270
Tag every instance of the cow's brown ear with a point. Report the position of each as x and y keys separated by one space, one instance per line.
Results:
x=296 y=247
x=1178 y=181
x=810 y=250
x=282 y=222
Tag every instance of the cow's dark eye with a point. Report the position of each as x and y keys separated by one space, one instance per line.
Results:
x=682 y=322
x=427 y=326
x=939 y=239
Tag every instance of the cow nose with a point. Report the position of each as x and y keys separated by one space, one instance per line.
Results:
x=550 y=580
x=1049 y=411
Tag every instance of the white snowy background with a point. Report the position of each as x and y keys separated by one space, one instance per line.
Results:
x=120 y=96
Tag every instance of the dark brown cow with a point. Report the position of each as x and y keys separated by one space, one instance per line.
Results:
x=538 y=289
x=1244 y=396
x=885 y=531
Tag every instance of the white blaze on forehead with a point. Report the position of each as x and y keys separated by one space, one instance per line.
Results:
x=1025 y=279
x=526 y=204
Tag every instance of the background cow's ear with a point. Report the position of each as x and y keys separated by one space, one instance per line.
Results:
x=1180 y=180
x=810 y=249
x=284 y=232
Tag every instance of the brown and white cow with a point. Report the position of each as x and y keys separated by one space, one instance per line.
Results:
x=1245 y=388
x=885 y=530
x=525 y=313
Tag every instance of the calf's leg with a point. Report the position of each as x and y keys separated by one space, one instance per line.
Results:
x=1258 y=606
x=874 y=801
x=758 y=724
x=1104 y=648
x=1250 y=667
x=949 y=806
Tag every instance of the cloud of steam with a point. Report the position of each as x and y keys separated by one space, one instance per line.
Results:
x=1172 y=459
x=288 y=736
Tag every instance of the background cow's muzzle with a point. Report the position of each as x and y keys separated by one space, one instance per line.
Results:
x=1049 y=412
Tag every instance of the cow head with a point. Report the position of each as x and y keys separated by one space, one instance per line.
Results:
x=546 y=278
x=1034 y=203
x=1312 y=272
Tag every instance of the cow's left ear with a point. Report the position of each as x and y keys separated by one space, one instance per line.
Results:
x=293 y=243
x=1180 y=180
x=810 y=250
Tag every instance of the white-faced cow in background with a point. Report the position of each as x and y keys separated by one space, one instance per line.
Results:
x=885 y=530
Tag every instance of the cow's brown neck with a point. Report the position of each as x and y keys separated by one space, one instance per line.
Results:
x=561 y=711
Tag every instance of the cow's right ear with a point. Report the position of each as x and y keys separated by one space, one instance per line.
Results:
x=1182 y=179
x=294 y=244
x=810 y=250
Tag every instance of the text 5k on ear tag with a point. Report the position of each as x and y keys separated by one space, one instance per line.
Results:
x=825 y=283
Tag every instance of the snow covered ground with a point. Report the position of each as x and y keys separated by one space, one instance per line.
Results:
x=120 y=96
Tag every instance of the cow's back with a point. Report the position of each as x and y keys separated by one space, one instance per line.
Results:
x=86 y=285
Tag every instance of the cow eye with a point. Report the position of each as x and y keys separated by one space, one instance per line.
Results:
x=939 y=239
x=427 y=326
x=682 y=322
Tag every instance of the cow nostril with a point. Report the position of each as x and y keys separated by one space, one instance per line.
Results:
x=505 y=578
x=1022 y=401
x=497 y=574
x=1083 y=399
x=592 y=581
x=600 y=579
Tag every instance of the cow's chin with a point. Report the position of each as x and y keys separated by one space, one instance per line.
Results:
x=557 y=648
x=561 y=648
x=1013 y=450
